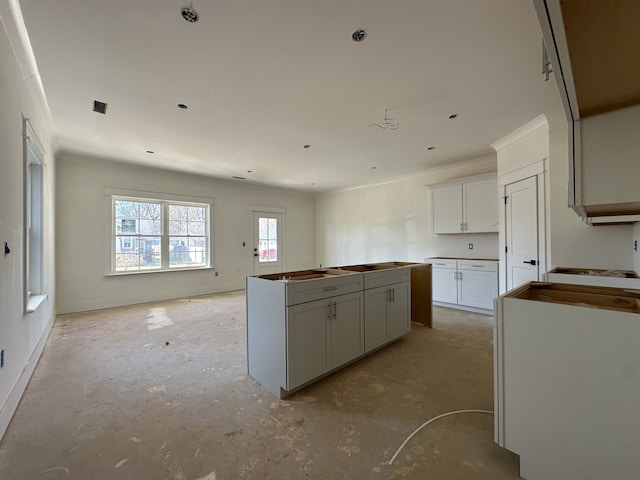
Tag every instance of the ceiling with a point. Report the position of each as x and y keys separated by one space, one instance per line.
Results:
x=263 y=78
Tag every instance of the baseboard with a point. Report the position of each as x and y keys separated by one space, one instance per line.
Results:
x=10 y=406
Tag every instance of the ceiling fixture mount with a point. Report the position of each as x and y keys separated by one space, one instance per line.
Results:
x=359 y=35
x=387 y=123
x=182 y=106
x=431 y=148
x=150 y=151
x=453 y=115
x=189 y=14
x=306 y=146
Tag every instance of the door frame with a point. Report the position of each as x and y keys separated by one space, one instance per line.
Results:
x=253 y=209
x=538 y=169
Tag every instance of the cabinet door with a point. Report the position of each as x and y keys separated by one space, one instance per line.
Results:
x=480 y=201
x=477 y=288
x=308 y=337
x=375 y=314
x=398 y=311
x=446 y=209
x=444 y=286
x=347 y=328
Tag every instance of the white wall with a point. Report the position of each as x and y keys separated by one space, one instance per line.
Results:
x=83 y=233
x=392 y=221
x=573 y=242
x=570 y=242
x=21 y=335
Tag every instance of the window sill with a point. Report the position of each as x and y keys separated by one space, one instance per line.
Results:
x=144 y=272
x=34 y=301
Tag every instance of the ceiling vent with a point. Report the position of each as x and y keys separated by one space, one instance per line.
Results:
x=99 y=107
x=189 y=14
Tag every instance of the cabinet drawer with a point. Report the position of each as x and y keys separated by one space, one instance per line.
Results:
x=386 y=277
x=480 y=265
x=311 y=290
x=441 y=263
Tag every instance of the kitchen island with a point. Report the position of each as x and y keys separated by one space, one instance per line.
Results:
x=304 y=325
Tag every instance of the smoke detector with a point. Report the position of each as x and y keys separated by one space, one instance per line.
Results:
x=359 y=35
x=189 y=14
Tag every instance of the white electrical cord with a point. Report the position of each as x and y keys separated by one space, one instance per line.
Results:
x=431 y=421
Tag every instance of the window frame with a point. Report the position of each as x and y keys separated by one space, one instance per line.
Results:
x=33 y=220
x=164 y=199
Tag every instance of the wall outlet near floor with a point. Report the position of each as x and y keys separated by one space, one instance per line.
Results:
x=215 y=274
x=471 y=246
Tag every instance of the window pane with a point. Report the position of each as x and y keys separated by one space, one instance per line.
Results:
x=263 y=228
x=273 y=250
x=263 y=249
x=273 y=229
x=137 y=253
x=196 y=228
x=188 y=252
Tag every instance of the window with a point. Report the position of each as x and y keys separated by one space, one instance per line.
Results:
x=34 y=293
x=268 y=239
x=159 y=235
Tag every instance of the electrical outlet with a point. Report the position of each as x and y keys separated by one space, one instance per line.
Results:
x=471 y=246
x=215 y=274
x=635 y=245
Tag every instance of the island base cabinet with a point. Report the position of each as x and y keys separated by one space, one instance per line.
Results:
x=308 y=333
x=387 y=314
x=323 y=335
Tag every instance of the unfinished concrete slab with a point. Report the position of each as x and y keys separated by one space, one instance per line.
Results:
x=160 y=391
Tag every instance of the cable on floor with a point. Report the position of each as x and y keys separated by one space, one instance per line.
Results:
x=431 y=420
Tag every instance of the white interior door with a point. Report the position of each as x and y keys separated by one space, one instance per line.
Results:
x=521 y=219
x=267 y=243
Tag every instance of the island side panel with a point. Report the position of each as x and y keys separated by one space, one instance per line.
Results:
x=266 y=333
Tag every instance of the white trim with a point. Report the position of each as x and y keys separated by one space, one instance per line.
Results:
x=254 y=208
x=613 y=219
x=461 y=180
x=519 y=133
x=527 y=171
x=11 y=404
x=142 y=194
x=163 y=198
x=34 y=301
x=538 y=170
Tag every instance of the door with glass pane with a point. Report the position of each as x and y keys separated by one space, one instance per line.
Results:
x=267 y=243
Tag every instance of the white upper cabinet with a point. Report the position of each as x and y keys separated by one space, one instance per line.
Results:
x=470 y=206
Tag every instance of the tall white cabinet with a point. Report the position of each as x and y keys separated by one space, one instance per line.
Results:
x=467 y=206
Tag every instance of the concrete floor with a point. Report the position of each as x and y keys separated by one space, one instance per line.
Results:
x=160 y=391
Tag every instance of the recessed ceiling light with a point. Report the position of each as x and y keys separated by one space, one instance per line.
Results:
x=189 y=14
x=249 y=171
x=359 y=35
x=150 y=151
x=453 y=115
x=373 y=168
x=306 y=146
x=99 y=107
x=182 y=106
x=431 y=148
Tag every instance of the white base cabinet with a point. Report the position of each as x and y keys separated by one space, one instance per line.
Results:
x=566 y=363
x=305 y=326
x=465 y=284
x=323 y=335
x=387 y=313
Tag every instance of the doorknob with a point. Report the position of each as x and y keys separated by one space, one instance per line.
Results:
x=530 y=262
